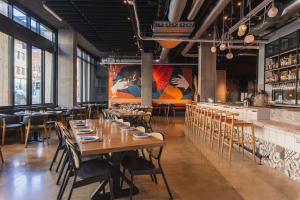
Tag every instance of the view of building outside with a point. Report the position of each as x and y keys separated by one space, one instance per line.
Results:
x=20 y=72
x=49 y=77
x=36 y=75
x=5 y=97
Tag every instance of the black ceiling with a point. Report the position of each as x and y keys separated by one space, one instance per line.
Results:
x=107 y=23
x=110 y=24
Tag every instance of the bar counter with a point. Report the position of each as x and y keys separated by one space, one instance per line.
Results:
x=277 y=132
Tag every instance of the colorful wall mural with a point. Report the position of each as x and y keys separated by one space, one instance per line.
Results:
x=171 y=84
x=125 y=83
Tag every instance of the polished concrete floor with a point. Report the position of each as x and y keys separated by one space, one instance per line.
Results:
x=194 y=171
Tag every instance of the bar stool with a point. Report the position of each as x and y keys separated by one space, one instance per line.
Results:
x=217 y=123
x=1 y=156
x=233 y=135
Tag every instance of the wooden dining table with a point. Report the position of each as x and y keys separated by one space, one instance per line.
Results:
x=117 y=141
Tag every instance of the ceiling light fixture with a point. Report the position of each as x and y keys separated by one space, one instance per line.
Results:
x=242 y=28
x=229 y=55
x=249 y=38
x=222 y=47
x=241 y=33
x=51 y=11
x=273 y=11
x=213 y=49
x=128 y=18
x=125 y=2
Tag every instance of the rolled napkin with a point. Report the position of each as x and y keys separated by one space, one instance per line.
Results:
x=89 y=139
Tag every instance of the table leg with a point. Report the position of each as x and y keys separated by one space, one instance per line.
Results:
x=116 y=177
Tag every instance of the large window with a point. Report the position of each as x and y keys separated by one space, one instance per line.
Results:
x=46 y=32
x=36 y=76
x=19 y=16
x=49 y=77
x=20 y=73
x=84 y=64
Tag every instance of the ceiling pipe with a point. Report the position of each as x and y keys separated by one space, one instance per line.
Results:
x=176 y=9
x=293 y=8
x=132 y=2
x=197 y=4
x=217 y=10
x=175 y=12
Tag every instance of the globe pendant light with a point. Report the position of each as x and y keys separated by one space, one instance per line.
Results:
x=222 y=47
x=213 y=49
x=229 y=55
x=242 y=28
x=249 y=38
x=273 y=11
x=240 y=33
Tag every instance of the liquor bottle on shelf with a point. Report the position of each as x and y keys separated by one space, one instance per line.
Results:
x=289 y=59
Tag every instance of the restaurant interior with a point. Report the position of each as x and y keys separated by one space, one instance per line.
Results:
x=150 y=99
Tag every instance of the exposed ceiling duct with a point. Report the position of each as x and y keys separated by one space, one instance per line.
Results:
x=287 y=14
x=176 y=9
x=292 y=9
x=197 y=4
x=217 y=10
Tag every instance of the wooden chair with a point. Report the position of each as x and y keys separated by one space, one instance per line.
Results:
x=10 y=123
x=141 y=166
x=36 y=123
x=218 y=121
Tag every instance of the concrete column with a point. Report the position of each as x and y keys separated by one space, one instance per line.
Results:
x=66 y=67
x=146 y=75
x=207 y=72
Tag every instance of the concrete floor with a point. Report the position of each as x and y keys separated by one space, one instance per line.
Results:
x=194 y=171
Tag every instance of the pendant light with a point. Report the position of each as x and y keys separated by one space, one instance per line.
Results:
x=229 y=55
x=222 y=47
x=273 y=11
x=243 y=28
x=250 y=37
x=241 y=33
x=213 y=49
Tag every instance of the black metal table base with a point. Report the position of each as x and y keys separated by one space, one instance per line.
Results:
x=122 y=193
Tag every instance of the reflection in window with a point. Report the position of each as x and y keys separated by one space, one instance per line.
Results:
x=49 y=77
x=5 y=97
x=3 y=7
x=33 y=25
x=20 y=75
x=36 y=75
x=45 y=32
x=19 y=16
